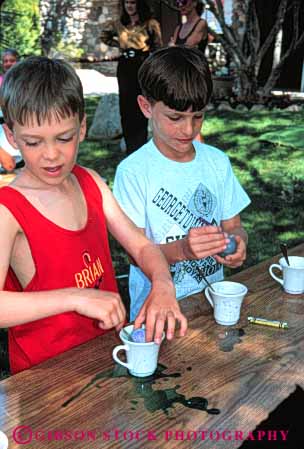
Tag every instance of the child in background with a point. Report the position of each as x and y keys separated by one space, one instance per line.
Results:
x=57 y=281
x=8 y=154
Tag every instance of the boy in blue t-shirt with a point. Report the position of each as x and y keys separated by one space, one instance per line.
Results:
x=182 y=194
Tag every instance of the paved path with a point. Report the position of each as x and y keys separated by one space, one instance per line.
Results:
x=95 y=83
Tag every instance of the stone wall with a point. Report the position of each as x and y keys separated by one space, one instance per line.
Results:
x=100 y=13
x=77 y=23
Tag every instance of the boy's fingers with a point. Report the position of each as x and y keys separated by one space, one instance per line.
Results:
x=183 y=325
x=150 y=326
x=159 y=329
x=140 y=319
x=121 y=312
x=102 y=325
x=119 y=326
x=206 y=230
x=170 y=325
x=115 y=319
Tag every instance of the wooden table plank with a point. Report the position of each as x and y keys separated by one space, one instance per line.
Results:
x=6 y=179
x=246 y=384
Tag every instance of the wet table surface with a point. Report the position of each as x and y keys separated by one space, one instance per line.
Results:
x=212 y=387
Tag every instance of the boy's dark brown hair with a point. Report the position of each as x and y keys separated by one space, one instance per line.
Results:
x=178 y=76
x=38 y=88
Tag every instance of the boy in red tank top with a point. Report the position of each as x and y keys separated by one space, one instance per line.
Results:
x=56 y=273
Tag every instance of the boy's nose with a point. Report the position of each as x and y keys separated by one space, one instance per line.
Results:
x=50 y=152
x=188 y=128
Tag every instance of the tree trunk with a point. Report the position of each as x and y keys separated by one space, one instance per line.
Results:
x=242 y=42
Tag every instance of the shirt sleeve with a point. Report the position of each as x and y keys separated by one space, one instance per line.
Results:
x=130 y=192
x=235 y=197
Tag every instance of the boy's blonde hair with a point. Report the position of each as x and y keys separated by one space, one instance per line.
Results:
x=38 y=88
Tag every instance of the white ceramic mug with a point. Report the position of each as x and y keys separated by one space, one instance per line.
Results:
x=293 y=275
x=141 y=357
x=226 y=300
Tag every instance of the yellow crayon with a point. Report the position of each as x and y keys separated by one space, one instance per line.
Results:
x=271 y=323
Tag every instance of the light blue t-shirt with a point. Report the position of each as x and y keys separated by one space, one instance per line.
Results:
x=167 y=198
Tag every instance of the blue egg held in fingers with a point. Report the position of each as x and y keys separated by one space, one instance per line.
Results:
x=139 y=335
x=231 y=247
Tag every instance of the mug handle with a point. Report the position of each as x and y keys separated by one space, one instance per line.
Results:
x=276 y=278
x=209 y=297
x=117 y=359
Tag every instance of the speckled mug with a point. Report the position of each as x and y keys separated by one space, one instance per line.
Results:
x=226 y=300
x=141 y=357
x=293 y=274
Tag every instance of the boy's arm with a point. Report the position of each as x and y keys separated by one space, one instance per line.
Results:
x=161 y=307
x=197 y=244
x=24 y=307
x=209 y=241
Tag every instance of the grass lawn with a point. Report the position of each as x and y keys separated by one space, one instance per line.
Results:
x=266 y=152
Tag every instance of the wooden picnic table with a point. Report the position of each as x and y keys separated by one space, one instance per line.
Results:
x=6 y=179
x=81 y=400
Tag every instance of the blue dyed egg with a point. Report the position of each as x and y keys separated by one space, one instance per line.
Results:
x=231 y=247
x=139 y=335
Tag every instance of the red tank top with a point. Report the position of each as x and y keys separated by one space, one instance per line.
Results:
x=62 y=259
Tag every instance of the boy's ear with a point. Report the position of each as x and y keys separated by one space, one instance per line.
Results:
x=145 y=106
x=83 y=128
x=10 y=136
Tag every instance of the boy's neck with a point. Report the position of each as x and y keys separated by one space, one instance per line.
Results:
x=172 y=154
x=25 y=180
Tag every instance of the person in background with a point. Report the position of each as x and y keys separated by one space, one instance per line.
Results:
x=9 y=58
x=8 y=154
x=137 y=34
x=193 y=30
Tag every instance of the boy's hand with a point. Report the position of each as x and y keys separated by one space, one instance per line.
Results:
x=203 y=242
x=161 y=312
x=236 y=259
x=104 y=306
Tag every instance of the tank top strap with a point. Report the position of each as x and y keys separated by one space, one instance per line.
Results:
x=29 y=219
x=25 y=213
x=19 y=206
x=32 y=221
x=182 y=40
x=88 y=186
x=195 y=25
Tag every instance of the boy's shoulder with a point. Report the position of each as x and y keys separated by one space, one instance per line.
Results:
x=148 y=157
x=204 y=151
x=140 y=157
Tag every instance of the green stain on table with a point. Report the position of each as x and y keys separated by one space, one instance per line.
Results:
x=154 y=399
